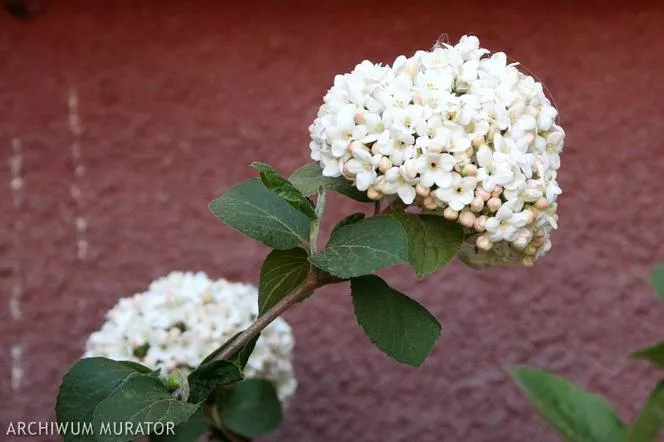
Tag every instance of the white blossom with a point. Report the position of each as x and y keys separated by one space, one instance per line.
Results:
x=183 y=317
x=458 y=130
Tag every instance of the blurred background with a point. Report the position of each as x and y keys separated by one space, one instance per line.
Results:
x=120 y=121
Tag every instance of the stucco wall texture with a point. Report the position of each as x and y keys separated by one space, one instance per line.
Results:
x=176 y=98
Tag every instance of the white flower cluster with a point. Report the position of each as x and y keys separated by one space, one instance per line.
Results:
x=183 y=317
x=456 y=130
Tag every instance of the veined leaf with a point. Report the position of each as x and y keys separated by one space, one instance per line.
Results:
x=397 y=324
x=251 y=408
x=86 y=384
x=363 y=247
x=577 y=415
x=137 y=400
x=253 y=209
x=432 y=241
x=282 y=272
x=284 y=189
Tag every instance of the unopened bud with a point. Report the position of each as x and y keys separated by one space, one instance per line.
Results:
x=373 y=194
x=528 y=261
x=410 y=69
x=435 y=147
x=375 y=149
x=520 y=243
x=532 y=111
x=450 y=214
x=531 y=216
x=542 y=203
x=538 y=241
x=355 y=145
x=483 y=194
x=347 y=173
x=535 y=211
x=483 y=243
x=207 y=297
x=477 y=204
x=421 y=190
x=478 y=141
x=467 y=218
x=497 y=191
x=530 y=250
x=385 y=164
x=480 y=223
x=494 y=204
x=491 y=132
x=469 y=170
x=430 y=203
x=359 y=116
x=530 y=137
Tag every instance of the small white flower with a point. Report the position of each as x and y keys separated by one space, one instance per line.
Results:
x=459 y=194
x=494 y=168
x=401 y=181
x=435 y=168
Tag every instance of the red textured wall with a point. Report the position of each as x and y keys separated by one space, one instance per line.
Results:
x=177 y=97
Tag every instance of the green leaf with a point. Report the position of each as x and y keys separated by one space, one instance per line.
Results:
x=188 y=431
x=253 y=209
x=653 y=354
x=242 y=356
x=432 y=241
x=308 y=178
x=207 y=376
x=88 y=383
x=649 y=423
x=137 y=400
x=284 y=189
x=577 y=415
x=363 y=247
x=251 y=408
x=350 y=219
x=282 y=272
x=398 y=325
x=657 y=280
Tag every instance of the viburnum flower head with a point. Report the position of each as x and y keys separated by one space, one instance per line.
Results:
x=457 y=131
x=183 y=317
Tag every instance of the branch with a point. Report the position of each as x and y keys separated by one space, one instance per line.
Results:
x=297 y=295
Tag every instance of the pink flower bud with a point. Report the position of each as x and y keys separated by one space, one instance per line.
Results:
x=373 y=194
x=483 y=243
x=467 y=219
x=477 y=204
x=480 y=223
x=469 y=170
x=430 y=203
x=385 y=164
x=421 y=190
x=542 y=203
x=494 y=204
x=483 y=194
x=478 y=141
x=450 y=214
